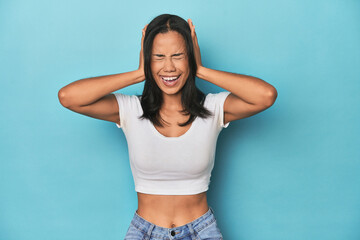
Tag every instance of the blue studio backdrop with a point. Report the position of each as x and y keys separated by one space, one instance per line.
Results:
x=290 y=172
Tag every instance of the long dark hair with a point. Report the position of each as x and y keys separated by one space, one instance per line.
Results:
x=192 y=98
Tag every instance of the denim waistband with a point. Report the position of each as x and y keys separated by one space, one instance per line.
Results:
x=179 y=232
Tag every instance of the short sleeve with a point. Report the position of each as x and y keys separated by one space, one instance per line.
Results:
x=219 y=102
x=124 y=101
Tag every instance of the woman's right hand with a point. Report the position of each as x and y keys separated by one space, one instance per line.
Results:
x=141 y=64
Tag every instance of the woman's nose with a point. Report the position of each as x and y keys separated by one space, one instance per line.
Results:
x=169 y=66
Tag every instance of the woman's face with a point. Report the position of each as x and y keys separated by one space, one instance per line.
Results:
x=169 y=62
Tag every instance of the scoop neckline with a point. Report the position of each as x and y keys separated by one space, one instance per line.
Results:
x=173 y=138
x=156 y=132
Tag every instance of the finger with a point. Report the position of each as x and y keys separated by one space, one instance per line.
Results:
x=193 y=34
x=192 y=28
x=192 y=31
x=191 y=24
x=144 y=29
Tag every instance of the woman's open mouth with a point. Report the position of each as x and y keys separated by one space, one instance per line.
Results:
x=170 y=80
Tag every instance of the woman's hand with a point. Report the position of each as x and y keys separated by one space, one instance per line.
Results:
x=195 y=43
x=141 y=64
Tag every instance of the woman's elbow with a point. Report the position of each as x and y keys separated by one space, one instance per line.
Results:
x=271 y=97
x=62 y=98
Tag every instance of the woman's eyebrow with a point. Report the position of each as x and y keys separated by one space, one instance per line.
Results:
x=174 y=55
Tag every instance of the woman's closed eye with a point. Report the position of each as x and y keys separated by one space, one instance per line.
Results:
x=159 y=58
x=178 y=57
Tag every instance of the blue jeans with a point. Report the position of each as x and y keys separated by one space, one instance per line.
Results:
x=204 y=227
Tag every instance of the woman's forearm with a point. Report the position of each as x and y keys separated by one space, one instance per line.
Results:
x=250 y=89
x=86 y=91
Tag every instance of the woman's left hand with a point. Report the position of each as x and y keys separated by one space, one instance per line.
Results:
x=195 y=43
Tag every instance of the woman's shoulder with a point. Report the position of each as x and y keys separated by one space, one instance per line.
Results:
x=130 y=101
x=216 y=98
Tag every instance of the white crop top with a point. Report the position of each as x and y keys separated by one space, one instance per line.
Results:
x=171 y=165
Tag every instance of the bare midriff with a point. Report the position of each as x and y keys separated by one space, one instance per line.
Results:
x=171 y=211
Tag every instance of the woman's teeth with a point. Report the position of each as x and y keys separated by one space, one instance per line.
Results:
x=169 y=79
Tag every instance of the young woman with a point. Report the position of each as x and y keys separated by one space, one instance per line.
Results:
x=172 y=128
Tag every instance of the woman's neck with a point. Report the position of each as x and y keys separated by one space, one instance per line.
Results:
x=172 y=102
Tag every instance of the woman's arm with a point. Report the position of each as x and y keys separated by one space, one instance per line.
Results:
x=93 y=96
x=250 y=89
x=87 y=91
x=249 y=95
